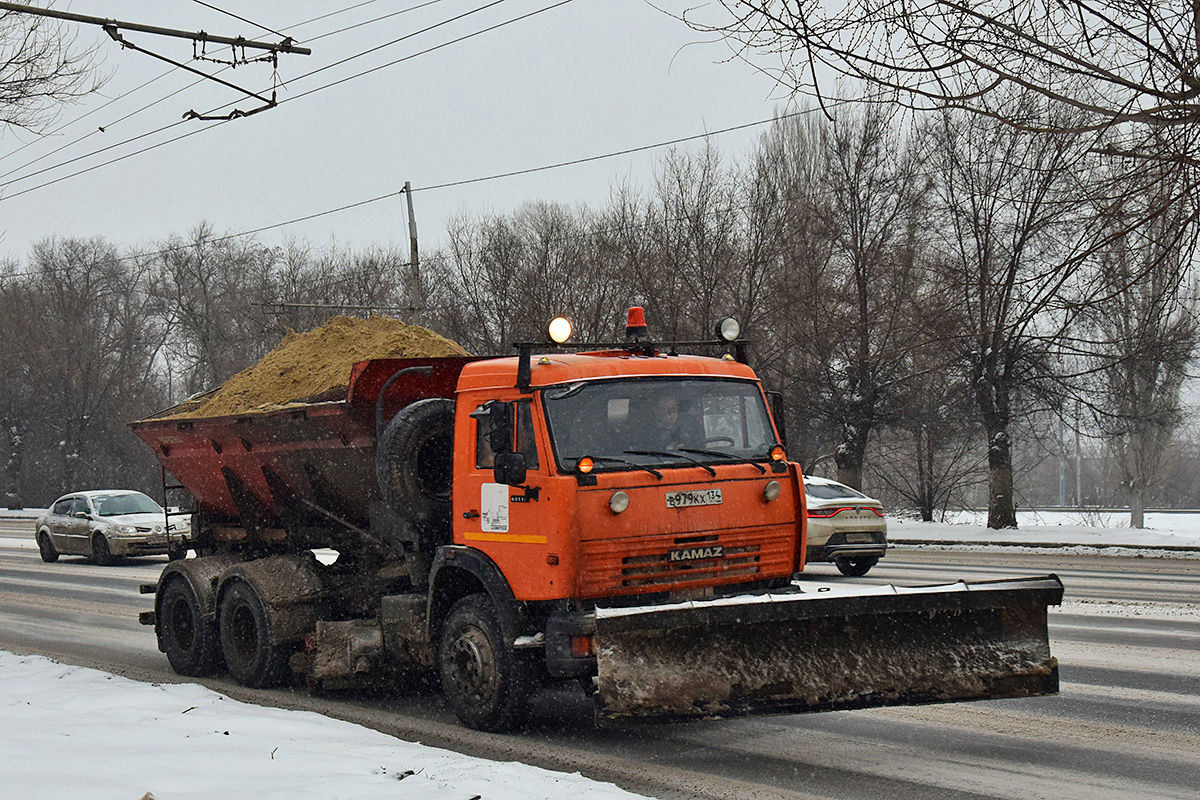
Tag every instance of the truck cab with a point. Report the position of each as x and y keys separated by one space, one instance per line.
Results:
x=643 y=473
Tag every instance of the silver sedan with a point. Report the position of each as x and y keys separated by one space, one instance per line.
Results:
x=106 y=525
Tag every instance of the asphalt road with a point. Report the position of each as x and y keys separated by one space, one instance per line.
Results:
x=1127 y=723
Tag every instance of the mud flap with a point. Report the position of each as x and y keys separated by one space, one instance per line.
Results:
x=826 y=649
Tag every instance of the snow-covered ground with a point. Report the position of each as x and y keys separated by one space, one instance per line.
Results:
x=71 y=732
x=1175 y=534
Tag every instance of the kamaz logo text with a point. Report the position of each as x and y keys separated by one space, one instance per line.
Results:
x=696 y=553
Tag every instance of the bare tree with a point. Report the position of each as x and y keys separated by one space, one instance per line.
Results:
x=1109 y=62
x=214 y=289
x=80 y=343
x=41 y=67
x=1015 y=225
x=849 y=268
x=1147 y=337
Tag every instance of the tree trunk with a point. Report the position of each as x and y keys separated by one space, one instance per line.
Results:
x=1002 y=511
x=849 y=457
x=1137 y=509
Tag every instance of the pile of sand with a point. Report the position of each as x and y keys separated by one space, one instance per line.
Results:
x=312 y=366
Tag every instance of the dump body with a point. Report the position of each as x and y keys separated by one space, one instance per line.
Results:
x=323 y=452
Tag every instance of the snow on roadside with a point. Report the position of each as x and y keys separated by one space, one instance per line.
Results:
x=68 y=731
x=1070 y=532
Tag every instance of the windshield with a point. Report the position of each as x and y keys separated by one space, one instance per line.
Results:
x=831 y=491
x=114 y=505
x=675 y=422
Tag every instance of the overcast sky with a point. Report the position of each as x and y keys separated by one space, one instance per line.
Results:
x=579 y=80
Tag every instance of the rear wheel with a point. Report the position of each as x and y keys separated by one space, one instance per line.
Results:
x=856 y=567
x=245 y=639
x=487 y=682
x=101 y=553
x=46 y=548
x=189 y=640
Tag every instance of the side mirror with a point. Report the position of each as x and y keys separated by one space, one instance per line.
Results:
x=775 y=401
x=510 y=468
x=498 y=417
x=82 y=515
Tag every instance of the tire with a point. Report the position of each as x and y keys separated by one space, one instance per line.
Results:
x=189 y=640
x=856 y=567
x=176 y=552
x=245 y=640
x=413 y=463
x=46 y=547
x=487 y=683
x=101 y=553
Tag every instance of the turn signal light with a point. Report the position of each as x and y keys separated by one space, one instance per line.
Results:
x=777 y=453
x=584 y=465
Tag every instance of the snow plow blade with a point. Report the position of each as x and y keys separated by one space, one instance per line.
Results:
x=825 y=649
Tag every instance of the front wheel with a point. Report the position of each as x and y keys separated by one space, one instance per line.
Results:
x=188 y=638
x=856 y=567
x=46 y=548
x=245 y=639
x=487 y=682
x=101 y=552
x=177 y=552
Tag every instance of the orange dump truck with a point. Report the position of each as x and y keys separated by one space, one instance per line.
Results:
x=623 y=515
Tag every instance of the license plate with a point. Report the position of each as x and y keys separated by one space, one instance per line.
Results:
x=694 y=497
x=859 y=538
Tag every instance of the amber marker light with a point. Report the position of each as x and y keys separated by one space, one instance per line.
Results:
x=559 y=330
x=777 y=453
x=584 y=465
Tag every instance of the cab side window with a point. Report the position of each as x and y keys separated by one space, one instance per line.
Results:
x=80 y=504
x=526 y=441
x=63 y=507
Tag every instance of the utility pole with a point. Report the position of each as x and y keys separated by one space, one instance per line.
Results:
x=415 y=295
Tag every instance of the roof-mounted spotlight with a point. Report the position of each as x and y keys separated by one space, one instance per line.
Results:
x=559 y=330
x=728 y=329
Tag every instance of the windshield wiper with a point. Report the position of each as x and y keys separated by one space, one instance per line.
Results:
x=651 y=470
x=719 y=454
x=673 y=454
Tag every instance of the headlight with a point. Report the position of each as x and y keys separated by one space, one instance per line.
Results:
x=618 y=502
x=125 y=530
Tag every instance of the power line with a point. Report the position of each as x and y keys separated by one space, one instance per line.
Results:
x=138 y=88
x=211 y=111
x=286 y=100
x=558 y=165
x=235 y=16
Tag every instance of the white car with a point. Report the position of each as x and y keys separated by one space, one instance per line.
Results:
x=106 y=525
x=844 y=526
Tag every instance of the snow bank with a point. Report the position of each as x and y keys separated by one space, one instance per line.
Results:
x=73 y=732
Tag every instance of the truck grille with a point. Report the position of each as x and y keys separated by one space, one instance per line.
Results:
x=626 y=566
